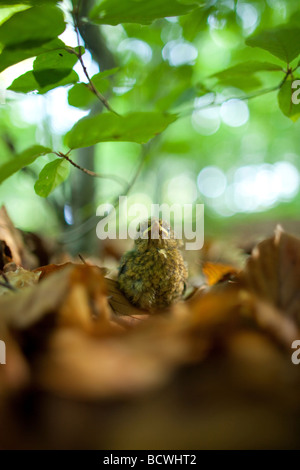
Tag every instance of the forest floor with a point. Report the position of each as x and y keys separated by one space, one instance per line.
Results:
x=85 y=369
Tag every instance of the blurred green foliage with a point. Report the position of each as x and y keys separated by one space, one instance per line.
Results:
x=223 y=70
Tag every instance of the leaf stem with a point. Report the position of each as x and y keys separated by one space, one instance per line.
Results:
x=75 y=233
x=116 y=178
x=214 y=104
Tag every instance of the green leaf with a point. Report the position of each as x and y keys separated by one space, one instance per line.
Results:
x=33 y=26
x=52 y=175
x=289 y=99
x=283 y=42
x=50 y=70
x=106 y=73
x=114 y=12
x=5 y=3
x=243 y=76
x=241 y=82
x=193 y=23
x=58 y=59
x=81 y=96
x=51 y=67
x=23 y=159
x=246 y=68
x=27 y=82
x=134 y=127
x=13 y=55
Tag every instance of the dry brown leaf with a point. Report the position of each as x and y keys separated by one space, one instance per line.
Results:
x=5 y=254
x=13 y=239
x=19 y=279
x=218 y=306
x=45 y=271
x=76 y=293
x=258 y=362
x=208 y=318
x=217 y=272
x=271 y=319
x=273 y=272
x=10 y=235
x=27 y=306
x=119 y=303
x=86 y=304
x=78 y=365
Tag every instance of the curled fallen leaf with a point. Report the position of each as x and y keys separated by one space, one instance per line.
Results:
x=124 y=311
x=14 y=241
x=86 y=305
x=27 y=306
x=271 y=319
x=217 y=272
x=75 y=293
x=45 y=271
x=272 y=274
x=10 y=236
x=5 y=254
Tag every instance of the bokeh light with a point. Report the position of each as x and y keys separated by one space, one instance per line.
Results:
x=211 y=182
x=179 y=52
x=137 y=47
x=182 y=189
x=234 y=113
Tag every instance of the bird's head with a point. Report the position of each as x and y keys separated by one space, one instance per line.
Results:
x=157 y=233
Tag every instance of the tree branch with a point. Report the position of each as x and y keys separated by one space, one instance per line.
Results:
x=213 y=104
x=116 y=178
x=101 y=98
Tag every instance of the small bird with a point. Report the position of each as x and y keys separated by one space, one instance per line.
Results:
x=153 y=275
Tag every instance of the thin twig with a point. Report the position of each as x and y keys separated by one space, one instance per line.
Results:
x=75 y=233
x=81 y=258
x=214 y=104
x=296 y=67
x=138 y=170
x=116 y=178
x=79 y=55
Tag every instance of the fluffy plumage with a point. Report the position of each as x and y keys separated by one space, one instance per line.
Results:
x=153 y=275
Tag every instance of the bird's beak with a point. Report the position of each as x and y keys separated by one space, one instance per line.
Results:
x=156 y=230
x=145 y=232
x=164 y=233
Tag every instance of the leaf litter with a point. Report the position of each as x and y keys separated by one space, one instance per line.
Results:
x=70 y=333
